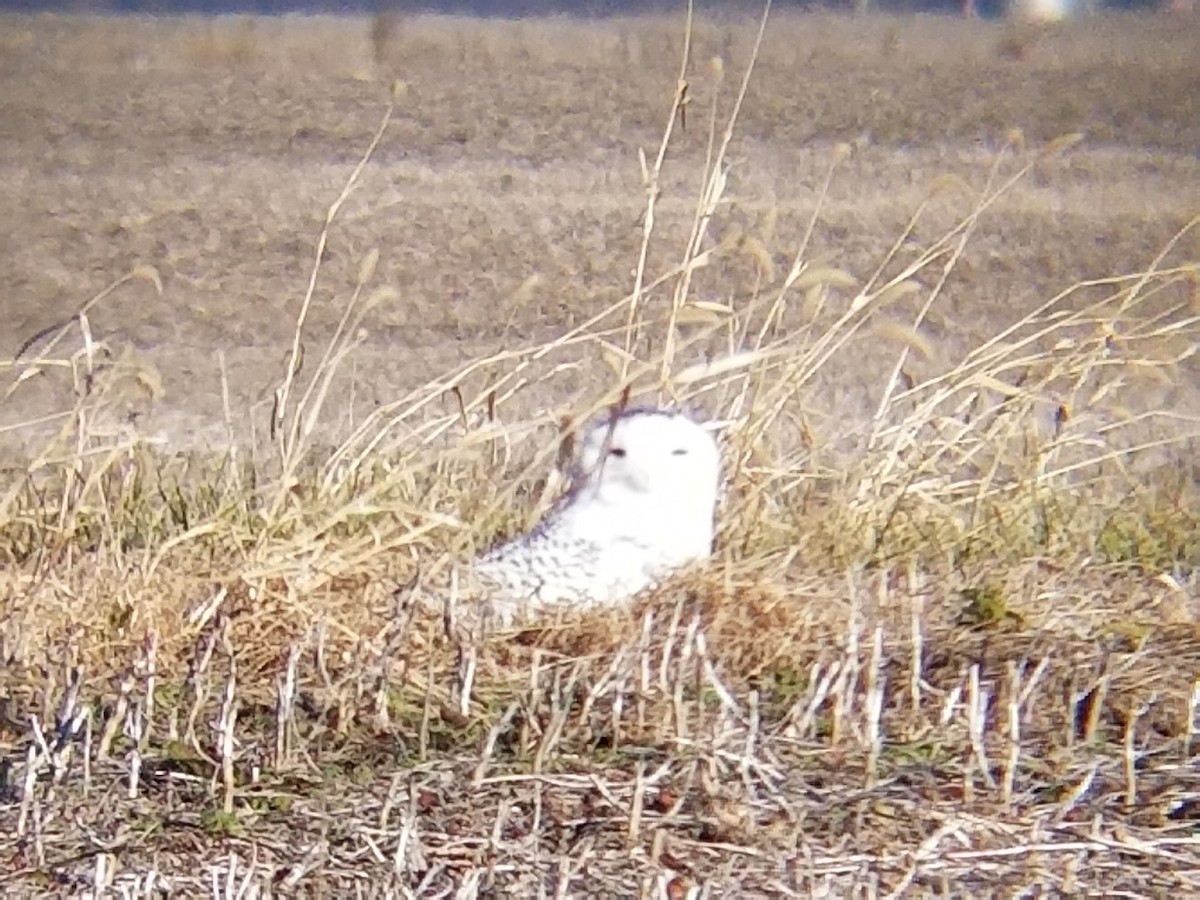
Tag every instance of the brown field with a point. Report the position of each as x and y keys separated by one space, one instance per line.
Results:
x=949 y=643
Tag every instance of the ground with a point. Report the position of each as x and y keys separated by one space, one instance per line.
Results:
x=872 y=691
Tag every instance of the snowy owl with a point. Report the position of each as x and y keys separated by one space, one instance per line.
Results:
x=641 y=502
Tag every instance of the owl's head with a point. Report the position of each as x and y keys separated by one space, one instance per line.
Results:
x=650 y=456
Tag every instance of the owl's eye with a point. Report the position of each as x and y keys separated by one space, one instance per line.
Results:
x=682 y=451
x=618 y=452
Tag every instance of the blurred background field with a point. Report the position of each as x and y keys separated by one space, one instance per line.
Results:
x=505 y=198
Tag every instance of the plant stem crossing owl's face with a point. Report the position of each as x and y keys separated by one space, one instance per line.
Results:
x=646 y=455
x=648 y=476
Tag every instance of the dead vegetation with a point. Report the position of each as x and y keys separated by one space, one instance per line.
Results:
x=952 y=650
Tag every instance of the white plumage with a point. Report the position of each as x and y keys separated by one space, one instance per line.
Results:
x=641 y=503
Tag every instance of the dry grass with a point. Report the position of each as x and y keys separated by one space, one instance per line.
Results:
x=949 y=641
